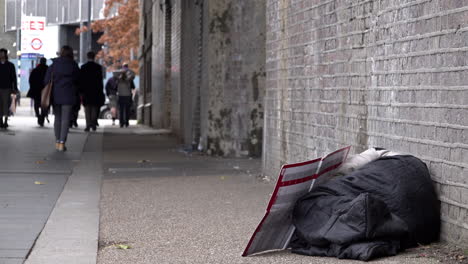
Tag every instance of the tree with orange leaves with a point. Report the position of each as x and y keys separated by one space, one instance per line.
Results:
x=120 y=33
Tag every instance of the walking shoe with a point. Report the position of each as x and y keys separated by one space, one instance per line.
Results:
x=61 y=147
x=75 y=123
x=57 y=145
x=93 y=128
x=86 y=129
x=40 y=121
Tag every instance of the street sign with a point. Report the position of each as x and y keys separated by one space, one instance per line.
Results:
x=31 y=55
x=32 y=34
x=36 y=43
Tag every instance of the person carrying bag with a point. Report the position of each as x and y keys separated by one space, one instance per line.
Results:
x=63 y=93
x=8 y=86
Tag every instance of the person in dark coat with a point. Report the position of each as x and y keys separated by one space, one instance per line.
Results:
x=8 y=86
x=91 y=90
x=125 y=91
x=111 y=92
x=36 y=84
x=64 y=92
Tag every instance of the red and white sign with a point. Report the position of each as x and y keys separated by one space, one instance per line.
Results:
x=295 y=180
x=32 y=34
x=36 y=43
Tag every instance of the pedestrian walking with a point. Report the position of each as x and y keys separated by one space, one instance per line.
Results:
x=124 y=90
x=64 y=73
x=36 y=84
x=111 y=92
x=8 y=87
x=91 y=90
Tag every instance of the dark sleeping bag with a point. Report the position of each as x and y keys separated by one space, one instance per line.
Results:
x=384 y=207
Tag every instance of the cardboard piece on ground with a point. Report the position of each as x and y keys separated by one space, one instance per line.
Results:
x=295 y=180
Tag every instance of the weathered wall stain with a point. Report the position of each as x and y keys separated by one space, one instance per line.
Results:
x=221 y=22
x=255 y=84
x=236 y=85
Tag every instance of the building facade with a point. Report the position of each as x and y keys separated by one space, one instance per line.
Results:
x=202 y=72
x=7 y=39
x=62 y=19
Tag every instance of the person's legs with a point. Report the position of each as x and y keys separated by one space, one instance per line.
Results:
x=39 y=112
x=47 y=112
x=89 y=120
x=64 y=126
x=57 y=121
x=4 y=106
x=127 y=111
x=114 y=114
x=75 y=109
x=94 y=116
x=113 y=107
x=121 y=111
x=37 y=106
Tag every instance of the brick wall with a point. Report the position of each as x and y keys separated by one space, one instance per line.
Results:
x=368 y=73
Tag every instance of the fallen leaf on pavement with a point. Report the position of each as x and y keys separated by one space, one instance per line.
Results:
x=38 y=183
x=143 y=161
x=40 y=162
x=122 y=246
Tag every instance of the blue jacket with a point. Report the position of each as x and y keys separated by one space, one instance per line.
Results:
x=65 y=87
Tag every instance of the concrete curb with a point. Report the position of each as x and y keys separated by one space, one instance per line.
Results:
x=71 y=232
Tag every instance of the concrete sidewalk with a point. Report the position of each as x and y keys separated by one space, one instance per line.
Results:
x=173 y=207
x=32 y=177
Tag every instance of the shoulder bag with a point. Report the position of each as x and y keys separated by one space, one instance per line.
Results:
x=46 y=93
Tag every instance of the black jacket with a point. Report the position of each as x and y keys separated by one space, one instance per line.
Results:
x=8 y=76
x=91 y=84
x=66 y=73
x=111 y=86
x=382 y=208
x=36 y=81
